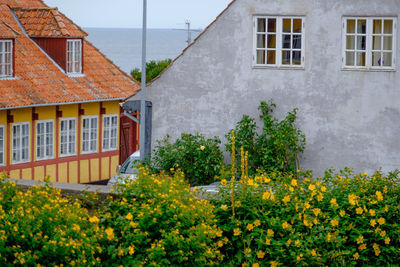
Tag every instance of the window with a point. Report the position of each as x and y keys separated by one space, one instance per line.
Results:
x=110 y=131
x=20 y=142
x=279 y=41
x=6 y=58
x=74 y=56
x=89 y=134
x=369 y=43
x=68 y=137
x=1 y=145
x=44 y=139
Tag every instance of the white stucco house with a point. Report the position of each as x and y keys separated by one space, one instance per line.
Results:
x=334 y=60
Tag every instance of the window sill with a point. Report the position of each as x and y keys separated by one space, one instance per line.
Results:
x=67 y=155
x=369 y=69
x=110 y=149
x=89 y=152
x=76 y=75
x=8 y=78
x=19 y=162
x=279 y=67
x=43 y=159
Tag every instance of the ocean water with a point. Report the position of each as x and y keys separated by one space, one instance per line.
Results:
x=124 y=46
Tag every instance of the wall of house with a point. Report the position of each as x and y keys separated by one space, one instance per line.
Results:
x=56 y=48
x=77 y=168
x=350 y=117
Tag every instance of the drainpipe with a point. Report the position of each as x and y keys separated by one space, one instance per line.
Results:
x=143 y=89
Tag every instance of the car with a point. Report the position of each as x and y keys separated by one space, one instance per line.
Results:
x=127 y=171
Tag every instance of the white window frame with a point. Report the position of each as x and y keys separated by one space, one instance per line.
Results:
x=68 y=135
x=72 y=56
x=279 y=33
x=369 y=39
x=90 y=150
x=45 y=144
x=2 y=139
x=21 y=124
x=107 y=147
x=3 y=63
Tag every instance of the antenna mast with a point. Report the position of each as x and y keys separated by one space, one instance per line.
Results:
x=189 y=32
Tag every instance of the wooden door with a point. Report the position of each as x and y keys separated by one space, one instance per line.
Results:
x=128 y=138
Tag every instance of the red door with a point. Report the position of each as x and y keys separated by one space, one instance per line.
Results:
x=129 y=142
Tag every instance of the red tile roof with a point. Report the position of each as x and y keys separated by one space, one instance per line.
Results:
x=47 y=22
x=40 y=81
x=6 y=31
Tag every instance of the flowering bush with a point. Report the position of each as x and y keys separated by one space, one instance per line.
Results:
x=199 y=158
x=40 y=226
x=341 y=219
x=158 y=220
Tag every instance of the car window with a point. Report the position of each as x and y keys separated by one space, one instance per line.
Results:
x=129 y=166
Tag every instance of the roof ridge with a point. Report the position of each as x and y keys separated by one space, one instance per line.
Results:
x=71 y=21
x=60 y=22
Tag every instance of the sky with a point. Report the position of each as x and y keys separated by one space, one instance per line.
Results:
x=169 y=14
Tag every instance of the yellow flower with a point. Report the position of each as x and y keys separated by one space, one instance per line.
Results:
x=224 y=182
x=342 y=213
x=372 y=212
x=274 y=263
x=387 y=240
x=250 y=227
x=328 y=237
x=247 y=251
x=224 y=207
x=362 y=247
x=293 y=182
x=376 y=249
x=383 y=233
x=386 y=208
x=110 y=233
x=323 y=189
x=267 y=241
x=353 y=199
x=260 y=254
x=129 y=216
x=255 y=264
x=257 y=223
x=76 y=228
x=236 y=232
x=267 y=180
x=94 y=219
x=270 y=232
x=317 y=211
x=372 y=222
x=286 y=199
x=291 y=189
x=202 y=147
x=311 y=187
x=334 y=222
x=131 y=249
x=285 y=225
x=356 y=256
x=288 y=242
x=307 y=205
x=266 y=195
x=313 y=253
x=250 y=182
x=381 y=221
x=333 y=202
x=220 y=243
x=364 y=174
x=360 y=239
x=359 y=210
x=379 y=196
x=297 y=243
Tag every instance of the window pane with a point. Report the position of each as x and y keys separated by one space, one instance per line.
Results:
x=349 y=58
x=376 y=43
x=297 y=25
x=260 y=56
x=387 y=59
x=351 y=26
x=388 y=27
x=286 y=57
x=377 y=26
x=361 y=26
x=296 y=58
x=361 y=44
x=271 y=41
x=376 y=58
x=296 y=41
x=286 y=41
x=271 y=57
x=360 y=59
x=287 y=25
x=271 y=25
x=260 y=42
x=387 y=43
x=350 y=43
x=261 y=25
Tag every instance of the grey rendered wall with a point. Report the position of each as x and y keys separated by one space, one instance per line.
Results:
x=350 y=118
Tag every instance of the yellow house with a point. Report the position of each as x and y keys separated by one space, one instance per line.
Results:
x=59 y=98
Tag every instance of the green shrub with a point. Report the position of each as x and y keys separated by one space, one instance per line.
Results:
x=342 y=219
x=41 y=227
x=199 y=158
x=276 y=148
x=158 y=221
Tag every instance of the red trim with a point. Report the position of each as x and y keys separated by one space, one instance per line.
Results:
x=57 y=137
x=90 y=170
x=58 y=161
x=33 y=147
x=101 y=134
x=109 y=166
x=78 y=148
x=13 y=57
x=9 y=142
x=67 y=172
x=82 y=57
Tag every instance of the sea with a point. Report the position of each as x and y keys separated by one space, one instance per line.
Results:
x=124 y=46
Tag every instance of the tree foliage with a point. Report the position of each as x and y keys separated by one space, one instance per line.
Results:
x=153 y=69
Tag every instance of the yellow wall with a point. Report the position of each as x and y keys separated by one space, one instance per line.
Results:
x=91 y=108
x=105 y=168
x=73 y=172
x=69 y=111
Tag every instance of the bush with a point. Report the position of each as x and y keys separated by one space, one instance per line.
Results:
x=40 y=226
x=200 y=159
x=340 y=220
x=277 y=147
x=158 y=220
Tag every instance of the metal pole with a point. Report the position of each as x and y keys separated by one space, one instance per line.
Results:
x=143 y=90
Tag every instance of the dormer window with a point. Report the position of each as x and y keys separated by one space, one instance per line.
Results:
x=74 y=56
x=6 y=58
